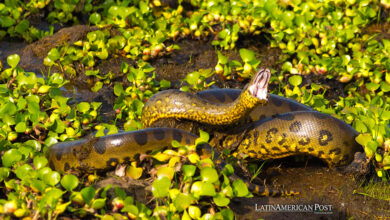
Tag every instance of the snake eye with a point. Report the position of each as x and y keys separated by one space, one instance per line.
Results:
x=258 y=87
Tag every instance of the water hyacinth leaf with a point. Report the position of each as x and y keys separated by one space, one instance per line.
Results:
x=51 y=197
x=203 y=189
x=54 y=54
x=385 y=87
x=22 y=26
x=10 y=157
x=40 y=162
x=132 y=210
x=95 y=18
x=189 y=170
x=88 y=193
x=203 y=138
x=4 y=173
x=24 y=171
x=247 y=55
x=98 y=203
x=165 y=83
x=192 y=78
x=161 y=186
x=118 y=89
x=50 y=141
x=182 y=201
x=38 y=185
x=20 y=127
x=83 y=107
x=222 y=59
x=385 y=115
x=13 y=60
x=137 y=106
x=360 y=126
x=134 y=172
x=221 y=200
x=51 y=178
x=69 y=182
x=8 y=109
x=295 y=80
x=209 y=174
x=240 y=189
x=165 y=171
x=227 y=214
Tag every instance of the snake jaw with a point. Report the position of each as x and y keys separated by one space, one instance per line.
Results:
x=259 y=85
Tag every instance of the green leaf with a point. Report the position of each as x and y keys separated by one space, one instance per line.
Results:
x=88 y=193
x=247 y=55
x=69 y=182
x=120 y=192
x=51 y=197
x=221 y=200
x=182 y=201
x=165 y=83
x=118 y=89
x=203 y=137
x=8 y=109
x=203 y=189
x=24 y=171
x=222 y=59
x=39 y=162
x=98 y=203
x=83 y=107
x=22 y=26
x=209 y=174
x=161 y=186
x=240 y=189
x=51 y=178
x=189 y=170
x=192 y=78
x=227 y=214
x=13 y=60
x=95 y=18
x=4 y=173
x=10 y=157
x=54 y=54
x=295 y=80
x=20 y=127
x=98 y=85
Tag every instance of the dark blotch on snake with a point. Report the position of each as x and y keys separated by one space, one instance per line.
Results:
x=158 y=134
x=304 y=141
x=177 y=135
x=336 y=151
x=328 y=135
x=100 y=146
x=141 y=138
x=270 y=133
x=295 y=126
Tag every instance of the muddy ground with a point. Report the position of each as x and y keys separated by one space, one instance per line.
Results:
x=317 y=184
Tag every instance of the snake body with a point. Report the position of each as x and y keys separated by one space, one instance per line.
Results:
x=278 y=136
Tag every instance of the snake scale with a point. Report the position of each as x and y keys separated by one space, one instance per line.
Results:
x=280 y=127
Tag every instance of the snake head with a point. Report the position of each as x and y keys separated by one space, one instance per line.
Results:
x=258 y=86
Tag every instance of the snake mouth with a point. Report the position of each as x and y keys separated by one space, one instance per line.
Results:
x=259 y=84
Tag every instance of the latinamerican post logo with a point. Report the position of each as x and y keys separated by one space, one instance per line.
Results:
x=314 y=208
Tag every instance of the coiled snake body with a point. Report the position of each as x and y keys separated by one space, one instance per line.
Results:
x=281 y=127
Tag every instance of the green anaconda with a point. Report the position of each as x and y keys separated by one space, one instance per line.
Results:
x=287 y=128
